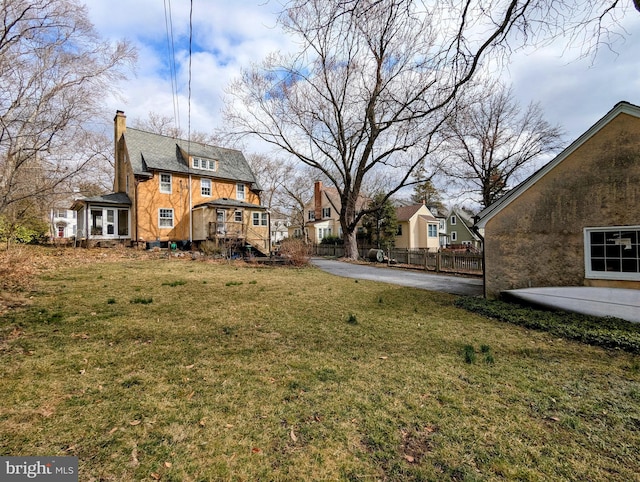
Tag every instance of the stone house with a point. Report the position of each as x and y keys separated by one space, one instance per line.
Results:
x=576 y=221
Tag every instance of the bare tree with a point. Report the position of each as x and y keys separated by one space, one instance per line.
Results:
x=494 y=141
x=54 y=72
x=272 y=174
x=374 y=81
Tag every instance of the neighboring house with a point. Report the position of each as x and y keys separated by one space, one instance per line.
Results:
x=417 y=228
x=576 y=221
x=170 y=190
x=279 y=230
x=322 y=215
x=459 y=226
x=441 y=217
x=63 y=223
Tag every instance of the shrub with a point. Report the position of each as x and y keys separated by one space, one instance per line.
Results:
x=593 y=330
x=332 y=240
x=295 y=250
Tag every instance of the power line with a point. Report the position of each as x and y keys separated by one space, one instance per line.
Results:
x=190 y=51
x=172 y=62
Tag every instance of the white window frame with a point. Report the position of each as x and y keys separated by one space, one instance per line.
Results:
x=326 y=212
x=311 y=216
x=453 y=220
x=434 y=228
x=454 y=235
x=237 y=216
x=204 y=164
x=165 y=183
x=205 y=187
x=259 y=218
x=162 y=218
x=610 y=275
x=241 y=192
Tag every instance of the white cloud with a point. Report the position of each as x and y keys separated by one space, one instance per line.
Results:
x=231 y=35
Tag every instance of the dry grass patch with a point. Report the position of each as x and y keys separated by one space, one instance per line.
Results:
x=249 y=373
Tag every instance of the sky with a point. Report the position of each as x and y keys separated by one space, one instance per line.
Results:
x=228 y=35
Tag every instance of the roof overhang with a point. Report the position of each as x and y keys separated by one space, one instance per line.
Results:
x=490 y=211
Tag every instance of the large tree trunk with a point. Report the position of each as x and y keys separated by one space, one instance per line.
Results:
x=351 y=245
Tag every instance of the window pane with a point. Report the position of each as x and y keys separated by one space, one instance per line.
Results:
x=597 y=265
x=630 y=266
x=612 y=251
x=597 y=251
x=597 y=237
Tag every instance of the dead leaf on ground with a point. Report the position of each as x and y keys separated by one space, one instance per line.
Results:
x=384 y=357
x=190 y=396
x=168 y=465
x=135 y=422
x=293 y=436
x=113 y=430
x=409 y=459
x=256 y=450
x=189 y=367
x=155 y=476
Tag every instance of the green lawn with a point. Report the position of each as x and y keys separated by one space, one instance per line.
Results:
x=180 y=370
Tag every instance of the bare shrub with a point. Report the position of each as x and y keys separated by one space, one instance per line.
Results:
x=296 y=250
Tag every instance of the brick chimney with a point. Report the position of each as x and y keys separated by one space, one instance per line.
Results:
x=119 y=129
x=317 y=200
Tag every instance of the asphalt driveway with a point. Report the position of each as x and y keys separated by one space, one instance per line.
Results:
x=456 y=285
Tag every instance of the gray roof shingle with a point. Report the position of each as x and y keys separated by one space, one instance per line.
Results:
x=155 y=152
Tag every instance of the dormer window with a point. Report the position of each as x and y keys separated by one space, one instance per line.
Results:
x=204 y=164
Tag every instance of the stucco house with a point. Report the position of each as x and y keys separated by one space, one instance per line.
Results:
x=417 y=228
x=576 y=221
x=173 y=191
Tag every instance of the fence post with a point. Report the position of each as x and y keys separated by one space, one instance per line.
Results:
x=438 y=262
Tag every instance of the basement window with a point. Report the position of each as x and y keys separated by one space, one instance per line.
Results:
x=612 y=253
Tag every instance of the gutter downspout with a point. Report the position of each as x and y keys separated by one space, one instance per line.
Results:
x=475 y=229
x=190 y=212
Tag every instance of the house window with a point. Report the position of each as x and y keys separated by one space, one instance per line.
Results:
x=323 y=233
x=165 y=183
x=433 y=230
x=109 y=223
x=259 y=219
x=240 y=196
x=612 y=252
x=311 y=216
x=165 y=218
x=237 y=216
x=61 y=213
x=205 y=164
x=454 y=236
x=454 y=221
x=205 y=187
x=399 y=231
x=326 y=212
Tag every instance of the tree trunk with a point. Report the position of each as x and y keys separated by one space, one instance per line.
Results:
x=351 y=245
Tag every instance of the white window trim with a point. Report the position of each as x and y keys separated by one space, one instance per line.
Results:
x=453 y=220
x=173 y=221
x=203 y=187
x=454 y=235
x=606 y=275
x=164 y=191
x=241 y=194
